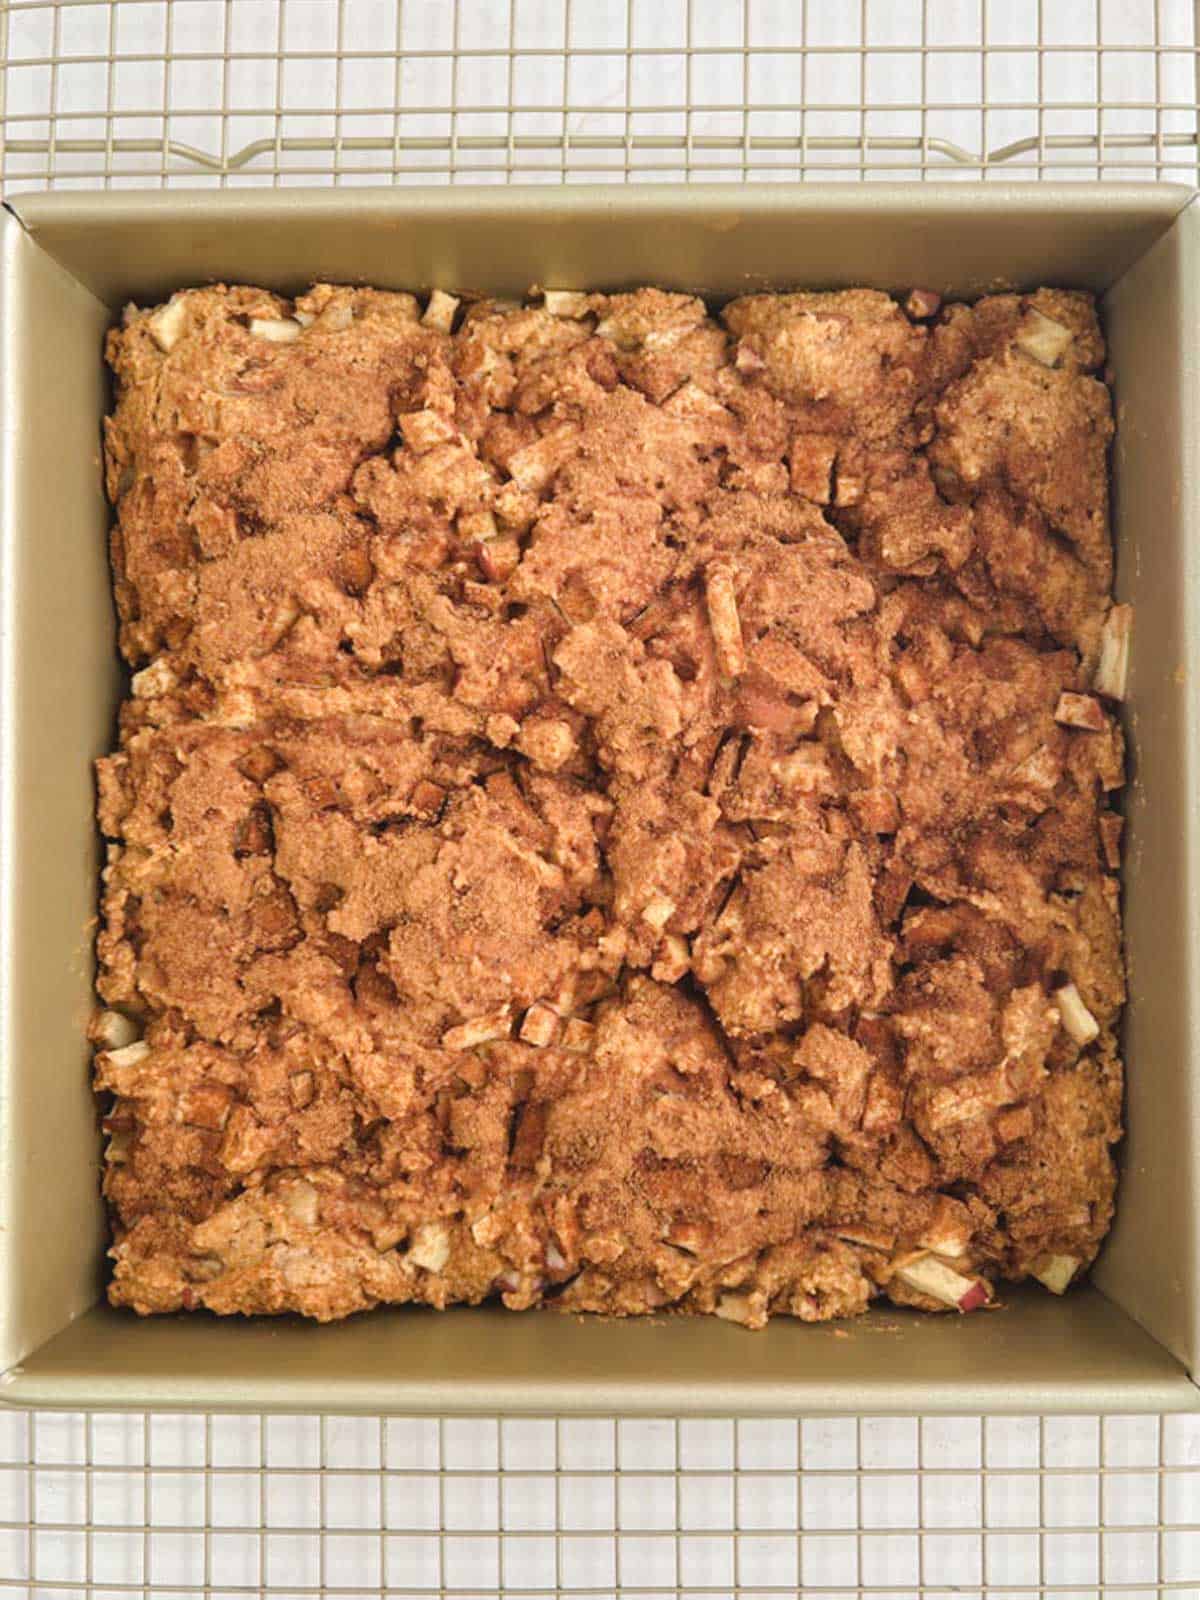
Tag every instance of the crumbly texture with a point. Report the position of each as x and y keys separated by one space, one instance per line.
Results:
x=596 y=821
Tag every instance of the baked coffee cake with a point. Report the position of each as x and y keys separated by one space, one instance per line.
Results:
x=614 y=804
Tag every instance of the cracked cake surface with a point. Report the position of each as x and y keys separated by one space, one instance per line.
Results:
x=615 y=804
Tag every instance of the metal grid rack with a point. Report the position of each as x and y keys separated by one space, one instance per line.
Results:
x=233 y=92
x=230 y=93
x=202 y=1505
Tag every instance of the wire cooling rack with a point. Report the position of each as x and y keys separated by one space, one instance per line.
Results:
x=230 y=93
x=236 y=92
x=202 y=1505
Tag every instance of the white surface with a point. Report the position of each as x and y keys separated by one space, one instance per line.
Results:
x=228 y=1505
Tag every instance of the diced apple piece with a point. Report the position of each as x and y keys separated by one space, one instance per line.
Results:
x=487 y=1229
x=276 y=330
x=112 y=1030
x=533 y=467
x=247 y=1141
x=867 y=1238
x=156 y=679
x=743 y=1309
x=301 y=1203
x=747 y=358
x=690 y=400
x=476 y=525
x=611 y=948
x=284 y=617
x=166 y=325
x=128 y=1055
x=1040 y=770
x=539 y=1027
x=1080 y=711
x=949 y=1231
x=235 y=708
x=578 y=1035
x=206 y=1105
x=1056 y=1272
x=514 y=508
x=439 y=313
x=620 y=331
x=978 y=1295
x=498 y=559
x=694 y=1237
x=1076 y=1019
x=805 y=769
x=388 y=1235
x=948 y=1245
x=724 y=621
x=479 y=1030
x=973 y=1095
x=848 y=488
x=672 y=960
x=665 y=338
x=1112 y=670
x=590 y=983
x=563 y=998
x=568 y=303
x=658 y=911
x=884 y=1105
x=927 y=1275
x=1043 y=338
x=1111 y=827
x=431 y=1246
x=923 y=304
x=337 y=316
x=423 y=430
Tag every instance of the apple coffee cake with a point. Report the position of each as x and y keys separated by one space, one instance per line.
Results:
x=613 y=804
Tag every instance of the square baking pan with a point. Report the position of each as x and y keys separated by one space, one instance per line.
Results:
x=1127 y=1342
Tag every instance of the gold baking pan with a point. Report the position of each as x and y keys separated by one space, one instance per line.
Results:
x=67 y=263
